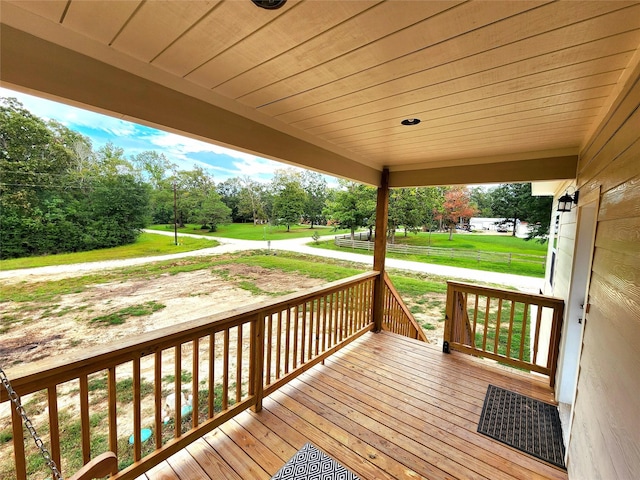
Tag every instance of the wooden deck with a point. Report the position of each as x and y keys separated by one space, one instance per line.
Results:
x=386 y=407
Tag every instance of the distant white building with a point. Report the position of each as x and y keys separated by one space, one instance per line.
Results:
x=502 y=225
x=482 y=223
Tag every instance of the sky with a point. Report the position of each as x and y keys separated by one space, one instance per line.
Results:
x=222 y=162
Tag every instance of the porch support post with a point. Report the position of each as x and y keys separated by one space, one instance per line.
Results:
x=380 y=249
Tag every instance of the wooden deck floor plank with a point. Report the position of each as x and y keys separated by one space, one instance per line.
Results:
x=425 y=404
x=447 y=398
x=457 y=371
x=327 y=435
x=417 y=457
x=186 y=466
x=252 y=446
x=474 y=369
x=236 y=458
x=393 y=410
x=358 y=456
x=162 y=471
x=468 y=382
x=263 y=433
x=210 y=461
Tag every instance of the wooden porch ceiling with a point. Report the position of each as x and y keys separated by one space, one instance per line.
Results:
x=386 y=407
x=509 y=90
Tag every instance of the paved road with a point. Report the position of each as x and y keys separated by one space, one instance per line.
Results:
x=297 y=245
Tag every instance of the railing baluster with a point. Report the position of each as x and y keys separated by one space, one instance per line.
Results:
x=18 y=444
x=195 y=380
x=212 y=377
x=486 y=323
x=137 y=410
x=324 y=323
x=511 y=316
x=54 y=428
x=475 y=313
x=84 y=419
x=537 y=334
x=287 y=342
x=307 y=319
x=269 y=347
x=157 y=397
x=239 y=363
x=177 y=390
x=113 y=415
x=524 y=330
x=296 y=321
x=499 y=316
x=225 y=371
x=278 y=344
x=318 y=313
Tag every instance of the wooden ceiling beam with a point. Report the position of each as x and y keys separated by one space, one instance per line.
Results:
x=529 y=170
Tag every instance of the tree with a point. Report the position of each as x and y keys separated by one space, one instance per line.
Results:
x=251 y=199
x=315 y=187
x=515 y=201
x=213 y=211
x=403 y=211
x=456 y=206
x=482 y=200
x=57 y=195
x=353 y=206
x=288 y=203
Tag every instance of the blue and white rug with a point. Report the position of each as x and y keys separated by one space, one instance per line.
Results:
x=309 y=463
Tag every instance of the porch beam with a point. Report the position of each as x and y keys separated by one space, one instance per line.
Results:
x=380 y=248
x=529 y=170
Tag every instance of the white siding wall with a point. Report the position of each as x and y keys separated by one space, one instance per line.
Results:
x=605 y=436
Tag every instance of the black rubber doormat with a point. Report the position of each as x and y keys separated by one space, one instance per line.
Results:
x=310 y=463
x=524 y=423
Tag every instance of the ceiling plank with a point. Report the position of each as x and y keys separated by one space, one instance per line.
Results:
x=99 y=20
x=49 y=9
x=158 y=24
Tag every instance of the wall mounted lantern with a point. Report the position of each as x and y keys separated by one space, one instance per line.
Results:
x=565 y=201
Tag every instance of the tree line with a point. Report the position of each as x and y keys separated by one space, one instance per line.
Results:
x=58 y=194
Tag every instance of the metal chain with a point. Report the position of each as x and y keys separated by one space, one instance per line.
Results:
x=15 y=398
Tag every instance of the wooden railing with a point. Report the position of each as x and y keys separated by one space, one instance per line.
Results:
x=517 y=329
x=152 y=395
x=397 y=317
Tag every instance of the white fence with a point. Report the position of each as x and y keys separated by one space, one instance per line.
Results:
x=361 y=242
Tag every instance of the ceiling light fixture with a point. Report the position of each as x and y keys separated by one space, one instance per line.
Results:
x=269 y=4
x=410 y=121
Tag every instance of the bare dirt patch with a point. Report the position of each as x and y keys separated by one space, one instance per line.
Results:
x=39 y=330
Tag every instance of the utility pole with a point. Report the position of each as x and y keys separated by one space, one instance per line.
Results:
x=175 y=213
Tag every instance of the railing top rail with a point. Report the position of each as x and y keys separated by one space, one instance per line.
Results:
x=534 y=298
x=42 y=374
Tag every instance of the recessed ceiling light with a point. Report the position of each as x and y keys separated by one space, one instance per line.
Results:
x=410 y=121
x=269 y=4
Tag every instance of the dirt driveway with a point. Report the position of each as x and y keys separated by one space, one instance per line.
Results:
x=38 y=330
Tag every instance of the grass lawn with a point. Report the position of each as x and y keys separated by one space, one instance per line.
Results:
x=249 y=231
x=486 y=243
x=145 y=246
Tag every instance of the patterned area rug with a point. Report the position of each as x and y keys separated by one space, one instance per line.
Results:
x=309 y=463
x=521 y=422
